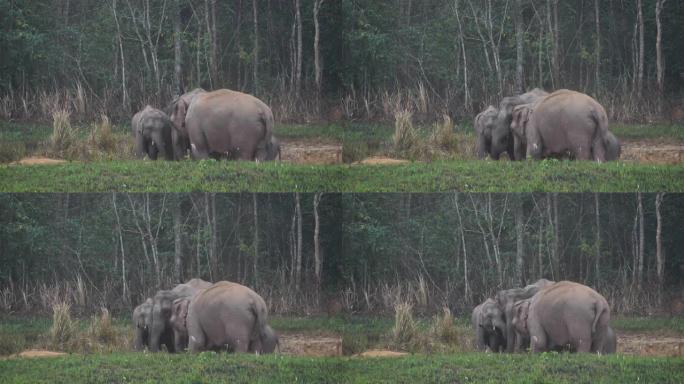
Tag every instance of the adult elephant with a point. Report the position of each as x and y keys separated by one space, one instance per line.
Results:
x=177 y=110
x=153 y=132
x=229 y=315
x=142 y=319
x=501 y=140
x=161 y=330
x=567 y=315
x=488 y=321
x=506 y=300
x=223 y=124
x=568 y=123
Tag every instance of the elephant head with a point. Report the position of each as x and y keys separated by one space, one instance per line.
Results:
x=484 y=125
x=269 y=150
x=152 y=130
x=502 y=141
x=521 y=311
x=612 y=145
x=178 y=320
x=178 y=109
x=519 y=122
x=142 y=319
x=161 y=331
x=508 y=297
x=269 y=340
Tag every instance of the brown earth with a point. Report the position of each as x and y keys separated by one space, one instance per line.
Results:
x=40 y=353
x=381 y=353
x=310 y=345
x=33 y=160
x=373 y=160
x=652 y=152
x=640 y=344
x=311 y=152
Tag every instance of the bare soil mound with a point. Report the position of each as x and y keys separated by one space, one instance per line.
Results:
x=40 y=353
x=381 y=353
x=311 y=152
x=373 y=160
x=310 y=345
x=650 y=345
x=653 y=152
x=33 y=160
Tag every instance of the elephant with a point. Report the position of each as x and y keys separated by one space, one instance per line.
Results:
x=162 y=331
x=484 y=125
x=269 y=151
x=142 y=319
x=489 y=323
x=506 y=300
x=270 y=341
x=606 y=345
x=152 y=130
x=567 y=123
x=177 y=110
x=566 y=315
x=223 y=124
x=229 y=315
x=497 y=127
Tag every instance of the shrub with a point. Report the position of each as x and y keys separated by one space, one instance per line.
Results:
x=404 y=325
x=405 y=135
x=353 y=343
x=64 y=136
x=63 y=327
x=101 y=136
x=443 y=135
x=11 y=343
x=444 y=329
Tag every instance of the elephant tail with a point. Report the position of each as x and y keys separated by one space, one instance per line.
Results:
x=600 y=310
x=605 y=145
x=258 y=308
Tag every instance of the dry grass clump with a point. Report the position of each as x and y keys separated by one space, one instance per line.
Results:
x=63 y=330
x=64 y=137
x=405 y=135
x=404 y=325
x=444 y=329
x=101 y=136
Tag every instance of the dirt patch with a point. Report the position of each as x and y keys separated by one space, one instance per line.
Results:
x=310 y=345
x=381 y=353
x=653 y=152
x=650 y=345
x=311 y=152
x=40 y=353
x=382 y=161
x=33 y=160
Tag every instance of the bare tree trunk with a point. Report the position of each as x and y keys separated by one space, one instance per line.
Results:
x=517 y=15
x=317 y=54
x=177 y=50
x=552 y=211
x=298 y=70
x=597 y=48
x=124 y=87
x=298 y=253
x=640 y=270
x=124 y=279
x=177 y=240
x=659 y=48
x=597 y=243
x=519 y=243
x=317 y=242
x=495 y=46
x=640 y=71
x=660 y=261
x=255 y=10
x=210 y=213
x=466 y=89
x=256 y=239
x=238 y=28
x=552 y=18
x=465 y=251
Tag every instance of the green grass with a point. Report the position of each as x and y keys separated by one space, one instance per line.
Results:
x=653 y=131
x=648 y=324
x=212 y=367
x=469 y=176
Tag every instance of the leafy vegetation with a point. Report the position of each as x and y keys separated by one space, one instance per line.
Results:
x=211 y=367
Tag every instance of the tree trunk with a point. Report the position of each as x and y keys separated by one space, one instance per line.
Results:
x=640 y=70
x=317 y=53
x=519 y=243
x=660 y=75
x=124 y=279
x=298 y=62
x=298 y=251
x=660 y=261
x=465 y=251
x=177 y=240
x=552 y=18
x=597 y=49
x=256 y=239
x=177 y=50
x=597 y=243
x=466 y=89
x=255 y=66
x=640 y=268
x=517 y=15
x=317 y=242
x=124 y=87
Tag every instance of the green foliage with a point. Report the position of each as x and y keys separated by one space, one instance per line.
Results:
x=213 y=367
x=354 y=343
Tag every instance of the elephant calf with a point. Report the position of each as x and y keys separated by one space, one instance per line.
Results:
x=142 y=320
x=488 y=321
x=152 y=130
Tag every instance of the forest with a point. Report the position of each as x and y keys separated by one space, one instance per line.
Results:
x=363 y=252
x=356 y=59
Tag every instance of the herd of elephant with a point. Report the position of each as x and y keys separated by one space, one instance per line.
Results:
x=199 y=315
x=217 y=124
x=537 y=124
x=544 y=316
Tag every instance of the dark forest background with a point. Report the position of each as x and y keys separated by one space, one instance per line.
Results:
x=354 y=252
x=359 y=59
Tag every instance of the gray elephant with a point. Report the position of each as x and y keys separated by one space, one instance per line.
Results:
x=268 y=150
x=229 y=315
x=162 y=331
x=177 y=109
x=506 y=300
x=223 y=124
x=270 y=341
x=498 y=128
x=606 y=345
x=142 y=319
x=484 y=125
x=488 y=321
x=567 y=123
x=152 y=130
x=567 y=315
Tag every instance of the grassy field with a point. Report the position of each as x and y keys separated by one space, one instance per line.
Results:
x=212 y=367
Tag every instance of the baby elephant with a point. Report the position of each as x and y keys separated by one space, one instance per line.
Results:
x=225 y=315
x=152 y=130
x=142 y=319
x=488 y=320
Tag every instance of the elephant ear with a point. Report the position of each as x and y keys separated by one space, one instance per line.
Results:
x=522 y=310
x=180 y=309
x=179 y=112
x=476 y=124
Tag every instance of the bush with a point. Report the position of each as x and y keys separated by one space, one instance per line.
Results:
x=11 y=151
x=101 y=136
x=11 y=343
x=404 y=325
x=444 y=329
x=63 y=328
x=353 y=343
x=443 y=135
x=405 y=135
x=64 y=136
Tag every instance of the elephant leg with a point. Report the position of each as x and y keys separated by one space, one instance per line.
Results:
x=152 y=150
x=583 y=151
x=140 y=147
x=599 y=149
x=538 y=338
x=197 y=340
x=534 y=144
x=482 y=147
x=520 y=149
x=480 y=339
x=163 y=145
x=239 y=341
x=198 y=154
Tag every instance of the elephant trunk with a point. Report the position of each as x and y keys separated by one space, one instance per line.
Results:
x=138 y=340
